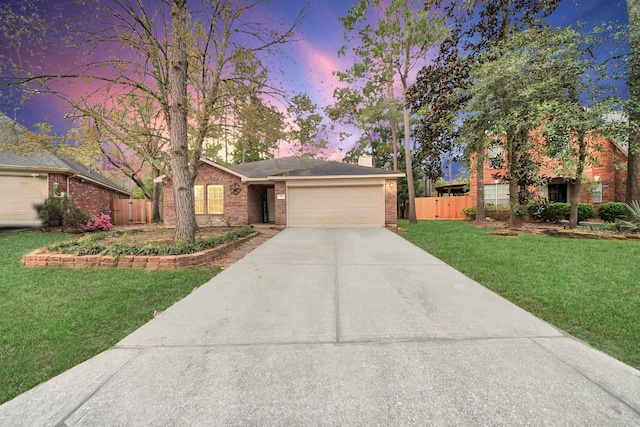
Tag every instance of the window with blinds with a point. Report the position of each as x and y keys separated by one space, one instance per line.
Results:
x=198 y=195
x=215 y=199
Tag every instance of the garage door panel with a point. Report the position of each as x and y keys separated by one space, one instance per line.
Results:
x=336 y=206
x=17 y=199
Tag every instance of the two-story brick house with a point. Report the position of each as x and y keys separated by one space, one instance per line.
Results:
x=604 y=180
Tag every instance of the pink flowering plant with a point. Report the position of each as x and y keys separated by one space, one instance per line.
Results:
x=102 y=223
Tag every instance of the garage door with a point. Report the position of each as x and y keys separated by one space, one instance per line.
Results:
x=18 y=195
x=336 y=206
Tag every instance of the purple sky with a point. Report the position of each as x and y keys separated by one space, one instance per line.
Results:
x=311 y=60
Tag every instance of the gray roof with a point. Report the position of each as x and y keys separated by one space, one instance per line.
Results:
x=85 y=171
x=44 y=161
x=304 y=166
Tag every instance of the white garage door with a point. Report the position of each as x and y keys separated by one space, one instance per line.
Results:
x=336 y=206
x=18 y=195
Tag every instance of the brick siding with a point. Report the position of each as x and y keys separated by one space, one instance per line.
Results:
x=257 y=196
x=236 y=210
x=247 y=206
x=88 y=196
x=281 y=204
x=611 y=171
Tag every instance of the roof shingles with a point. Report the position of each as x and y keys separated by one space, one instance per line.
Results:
x=303 y=166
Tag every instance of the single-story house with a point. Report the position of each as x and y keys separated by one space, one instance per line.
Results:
x=293 y=192
x=28 y=180
x=602 y=182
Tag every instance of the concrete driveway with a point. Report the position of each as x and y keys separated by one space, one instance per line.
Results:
x=339 y=327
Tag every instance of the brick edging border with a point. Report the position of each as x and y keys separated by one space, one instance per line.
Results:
x=197 y=259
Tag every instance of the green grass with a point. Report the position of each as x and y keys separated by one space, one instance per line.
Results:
x=588 y=288
x=51 y=319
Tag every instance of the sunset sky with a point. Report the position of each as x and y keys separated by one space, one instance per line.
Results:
x=312 y=59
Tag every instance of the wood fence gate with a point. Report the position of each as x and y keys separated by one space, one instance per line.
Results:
x=130 y=211
x=442 y=207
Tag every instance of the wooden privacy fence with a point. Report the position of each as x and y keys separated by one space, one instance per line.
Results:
x=442 y=207
x=130 y=211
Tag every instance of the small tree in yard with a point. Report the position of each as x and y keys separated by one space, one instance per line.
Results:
x=574 y=118
x=526 y=95
x=440 y=92
x=60 y=211
x=394 y=37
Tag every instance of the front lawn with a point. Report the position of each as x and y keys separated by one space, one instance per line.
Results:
x=588 y=288
x=52 y=319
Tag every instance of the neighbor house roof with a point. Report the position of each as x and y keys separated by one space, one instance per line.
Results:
x=87 y=172
x=45 y=161
x=295 y=166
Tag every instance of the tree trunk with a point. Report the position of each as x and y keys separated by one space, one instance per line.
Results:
x=481 y=213
x=577 y=186
x=157 y=197
x=394 y=130
x=633 y=163
x=186 y=225
x=407 y=152
x=515 y=219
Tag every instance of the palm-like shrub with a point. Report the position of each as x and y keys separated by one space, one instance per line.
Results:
x=634 y=224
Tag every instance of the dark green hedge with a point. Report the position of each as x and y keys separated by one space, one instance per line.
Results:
x=612 y=211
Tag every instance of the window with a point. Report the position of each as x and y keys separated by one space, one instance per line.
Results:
x=495 y=156
x=215 y=199
x=597 y=192
x=496 y=195
x=198 y=196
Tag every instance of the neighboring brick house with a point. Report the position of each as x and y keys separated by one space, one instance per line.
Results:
x=291 y=191
x=602 y=183
x=28 y=180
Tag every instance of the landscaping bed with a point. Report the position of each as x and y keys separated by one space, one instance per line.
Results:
x=558 y=229
x=140 y=248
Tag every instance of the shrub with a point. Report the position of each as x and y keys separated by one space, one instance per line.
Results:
x=634 y=224
x=88 y=245
x=563 y=211
x=612 y=211
x=60 y=211
x=469 y=213
x=538 y=208
x=102 y=223
x=546 y=210
x=553 y=212
x=585 y=211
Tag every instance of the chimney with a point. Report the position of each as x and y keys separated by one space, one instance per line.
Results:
x=365 y=160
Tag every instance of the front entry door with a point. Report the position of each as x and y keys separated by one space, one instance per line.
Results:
x=558 y=193
x=271 y=205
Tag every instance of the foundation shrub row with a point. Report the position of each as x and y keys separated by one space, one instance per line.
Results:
x=90 y=245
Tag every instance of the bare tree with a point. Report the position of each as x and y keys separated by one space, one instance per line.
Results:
x=185 y=61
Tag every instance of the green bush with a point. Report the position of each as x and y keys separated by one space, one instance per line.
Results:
x=538 y=208
x=612 y=211
x=553 y=212
x=469 y=213
x=548 y=211
x=60 y=211
x=585 y=211
x=88 y=245
x=562 y=210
